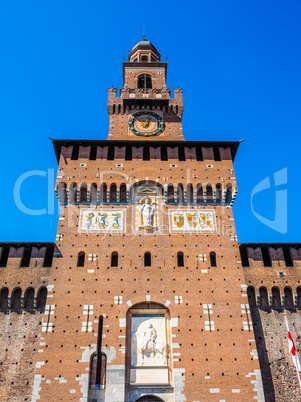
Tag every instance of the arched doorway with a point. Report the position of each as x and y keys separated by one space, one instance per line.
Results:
x=149 y=398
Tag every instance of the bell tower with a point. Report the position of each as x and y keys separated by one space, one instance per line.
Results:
x=145 y=108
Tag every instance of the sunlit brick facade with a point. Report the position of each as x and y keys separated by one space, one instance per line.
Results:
x=149 y=295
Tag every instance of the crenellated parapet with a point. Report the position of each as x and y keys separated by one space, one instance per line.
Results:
x=27 y=254
x=270 y=254
x=273 y=274
x=157 y=150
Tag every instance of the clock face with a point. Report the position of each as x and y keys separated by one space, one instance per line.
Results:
x=146 y=124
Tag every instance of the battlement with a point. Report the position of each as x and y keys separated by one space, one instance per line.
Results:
x=144 y=150
x=269 y=254
x=28 y=253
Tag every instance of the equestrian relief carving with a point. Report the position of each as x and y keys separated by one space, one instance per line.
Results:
x=149 y=345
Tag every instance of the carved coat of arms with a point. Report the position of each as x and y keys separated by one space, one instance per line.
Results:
x=179 y=220
x=192 y=220
x=205 y=220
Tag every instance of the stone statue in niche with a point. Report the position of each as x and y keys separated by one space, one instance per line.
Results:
x=147 y=211
x=150 y=346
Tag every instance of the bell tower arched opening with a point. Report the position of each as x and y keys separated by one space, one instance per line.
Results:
x=145 y=81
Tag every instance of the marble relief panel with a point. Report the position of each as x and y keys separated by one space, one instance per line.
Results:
x=194 y=220
x=102 y=221
x=148 y=341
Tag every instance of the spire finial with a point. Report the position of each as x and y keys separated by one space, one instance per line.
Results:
x=144 y=36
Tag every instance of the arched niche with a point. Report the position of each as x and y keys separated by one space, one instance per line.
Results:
x=147 y=198
x=148 y=342
x=29 y=300
x=251 y=297
x=276 y=298
x=264 y=301
x=93 y=193
x=16 y=300
x=4 y=300
x=289 y=301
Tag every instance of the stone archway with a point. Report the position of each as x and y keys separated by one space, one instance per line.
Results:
x=148 y=340
x=149 y=398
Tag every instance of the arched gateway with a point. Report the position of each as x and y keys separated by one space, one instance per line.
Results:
x=149 y=398
x=148 y=345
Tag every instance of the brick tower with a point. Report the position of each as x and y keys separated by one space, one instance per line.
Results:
x=146 y=294
x=148 y=299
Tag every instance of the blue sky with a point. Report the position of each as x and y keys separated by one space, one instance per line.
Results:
x=238 y=63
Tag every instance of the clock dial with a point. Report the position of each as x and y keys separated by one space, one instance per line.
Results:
x=146 y=123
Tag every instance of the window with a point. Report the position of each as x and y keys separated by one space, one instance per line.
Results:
x=145 y=81
x=98 y=362
x=180 y=257
x=114 y=259
x=98 y=383
x=213 y=259
x=81 y=259
x=147 y=259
